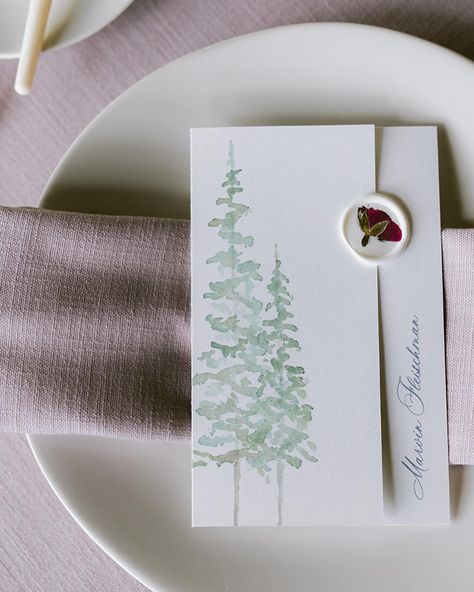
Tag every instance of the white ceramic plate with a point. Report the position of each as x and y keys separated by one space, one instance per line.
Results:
x=134 y=498
x=69 y=21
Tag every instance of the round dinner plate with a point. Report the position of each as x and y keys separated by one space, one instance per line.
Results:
x=134 y=498
x=69 y=21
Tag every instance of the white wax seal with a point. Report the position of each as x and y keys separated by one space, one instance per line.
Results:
x=376 y=228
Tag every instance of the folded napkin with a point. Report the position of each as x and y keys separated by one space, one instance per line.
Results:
x=95 y=327
x=458 y=271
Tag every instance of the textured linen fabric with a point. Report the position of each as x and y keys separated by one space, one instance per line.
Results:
x=458 y=263
x=41 y=548
x=94 y=325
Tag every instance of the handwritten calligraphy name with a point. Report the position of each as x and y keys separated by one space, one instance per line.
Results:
x=409 y=394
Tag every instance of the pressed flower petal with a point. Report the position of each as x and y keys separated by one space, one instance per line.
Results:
x=376 y=216
x=392 y=233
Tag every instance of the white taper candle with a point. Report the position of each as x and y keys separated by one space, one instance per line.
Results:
x=36 y=20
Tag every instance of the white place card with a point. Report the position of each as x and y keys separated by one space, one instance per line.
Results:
x=287 y=419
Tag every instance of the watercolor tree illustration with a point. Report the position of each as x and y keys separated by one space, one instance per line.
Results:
x=233 y=380
x=284 y=407
x=254 y=393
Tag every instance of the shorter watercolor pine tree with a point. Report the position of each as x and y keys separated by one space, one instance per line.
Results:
x=287 y=416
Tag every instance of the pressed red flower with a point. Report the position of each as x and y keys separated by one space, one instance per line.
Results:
x=377 y=223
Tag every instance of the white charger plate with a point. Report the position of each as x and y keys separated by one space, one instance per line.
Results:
x=69 y=21
x=133 y=498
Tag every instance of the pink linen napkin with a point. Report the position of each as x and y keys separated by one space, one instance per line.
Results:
x=95 y=327
x=458 y=271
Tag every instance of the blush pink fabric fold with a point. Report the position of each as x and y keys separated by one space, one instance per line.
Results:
x=458 y=271
x=94 y=325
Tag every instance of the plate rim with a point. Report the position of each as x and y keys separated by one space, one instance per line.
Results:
x=121 y=562
x=239 y=38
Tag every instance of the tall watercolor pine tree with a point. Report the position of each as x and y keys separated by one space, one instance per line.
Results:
x=287 y=442
x=233 y=380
